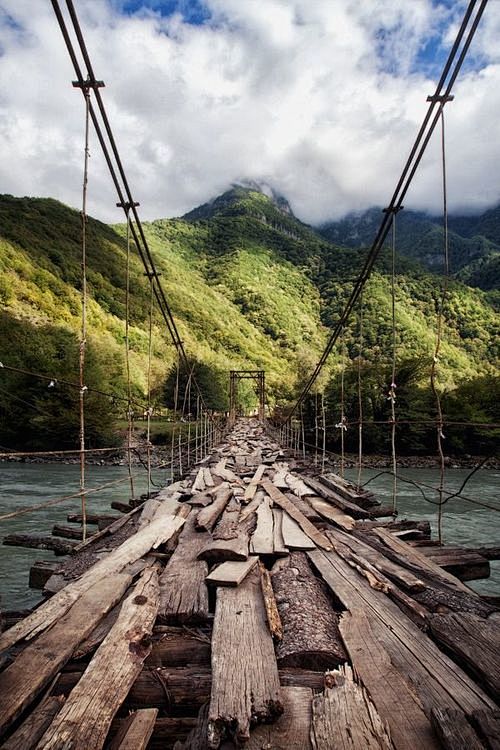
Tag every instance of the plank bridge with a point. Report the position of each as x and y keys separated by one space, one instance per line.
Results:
x=258 y=601
x=259 y=597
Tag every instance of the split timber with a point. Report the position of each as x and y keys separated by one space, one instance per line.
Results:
x=254 y=602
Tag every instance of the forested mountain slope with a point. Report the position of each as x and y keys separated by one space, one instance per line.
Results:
x=250 y=287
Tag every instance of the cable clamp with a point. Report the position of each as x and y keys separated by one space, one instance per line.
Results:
x=83 y=389
x=342 y=425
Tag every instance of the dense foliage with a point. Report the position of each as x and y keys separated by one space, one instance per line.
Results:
x=251 y=287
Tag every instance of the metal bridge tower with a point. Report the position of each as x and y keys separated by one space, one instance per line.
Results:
x=234 y=377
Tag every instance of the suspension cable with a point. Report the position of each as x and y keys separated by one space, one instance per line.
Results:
x=436 y=104
x=439 y=334
x=130 y=413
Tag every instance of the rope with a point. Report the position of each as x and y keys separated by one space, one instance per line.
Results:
x=342 y=425
x=439 y=333
x=83 y=336
x=323 y=422
x=130 y=414
x=360 y=392
x=57 y=500
x=392 y=390
x=150 y=356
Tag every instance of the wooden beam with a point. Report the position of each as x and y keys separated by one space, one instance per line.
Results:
x=344 y=711
x=245 y=681
x=87 y=714
x=31 y=730
x=207 y=517
x=262 y=542
x=307 y=527
x=37 y=664
x=232 y=573
x=135 y=731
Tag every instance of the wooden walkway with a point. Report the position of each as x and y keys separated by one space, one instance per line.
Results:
x=255 y=602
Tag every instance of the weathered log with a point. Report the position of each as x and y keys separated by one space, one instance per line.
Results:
x=179 y=647
x=207 y=517
x=38 y=541
x=251 y=488
x=475 y=642
x=338 y=484
x=92 y=518
x=40 y=573
x=183 y=689
x=245 y=681
x=135 y=731
x=87 y=714
x=122 y=507
x=487 y=724
x=183 y=592
x=167 y=730
x=453 y=730
x=33 y=727
x=69 y=532
x=43 y=659
x=304 y=507
x=311 y=638
x=345 y=711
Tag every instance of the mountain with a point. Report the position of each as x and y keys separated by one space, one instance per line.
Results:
x=251 y=287
x=474 y=241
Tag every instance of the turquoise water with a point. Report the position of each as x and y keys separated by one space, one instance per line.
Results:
x=23 y=485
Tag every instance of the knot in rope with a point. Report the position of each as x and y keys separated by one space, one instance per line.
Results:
x=342 y=425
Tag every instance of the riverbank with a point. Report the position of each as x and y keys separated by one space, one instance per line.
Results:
x=161 y=456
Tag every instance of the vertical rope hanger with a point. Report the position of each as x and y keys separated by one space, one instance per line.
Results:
x=439 y=332
x=130 y=414
x=392 y=389
x=150 y=357
x=360 y=392
x=342 y=425
x=83 y=331
x=176 y=398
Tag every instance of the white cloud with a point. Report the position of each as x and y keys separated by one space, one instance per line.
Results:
x=322 y=99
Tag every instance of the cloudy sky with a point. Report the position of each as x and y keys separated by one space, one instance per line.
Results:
x=321 y=99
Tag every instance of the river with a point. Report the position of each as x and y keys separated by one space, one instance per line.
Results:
x=23 y=485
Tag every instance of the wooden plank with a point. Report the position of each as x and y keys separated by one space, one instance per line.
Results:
x=311 y=637
x=148 y=511
x=232 y=573
x=27 y=735
x=262 y=541
x=53 y=648
x=69 y=532
x=278 y=541
x=292 y=729
x=306 y=526
x=487 y=724
x=251 y=488
x=293 y=536
x=135 y=731
x=183 y=591
x=399 y=665
x=230 y=538
x=273 y=616
x=245 y=680
x=208 y=478
x=453 y=730
x=412 y=554
x=397 y=573
x=87 y=714
x=298 y=486
x=347 y=490
x=156 y=533
x=331 y=513
x=475 y=641
x=330 y=496
x=199 y=482
x=252 y=506
x=305 y=508
x=40 y=572
x=207 y=517
x=345 y=711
